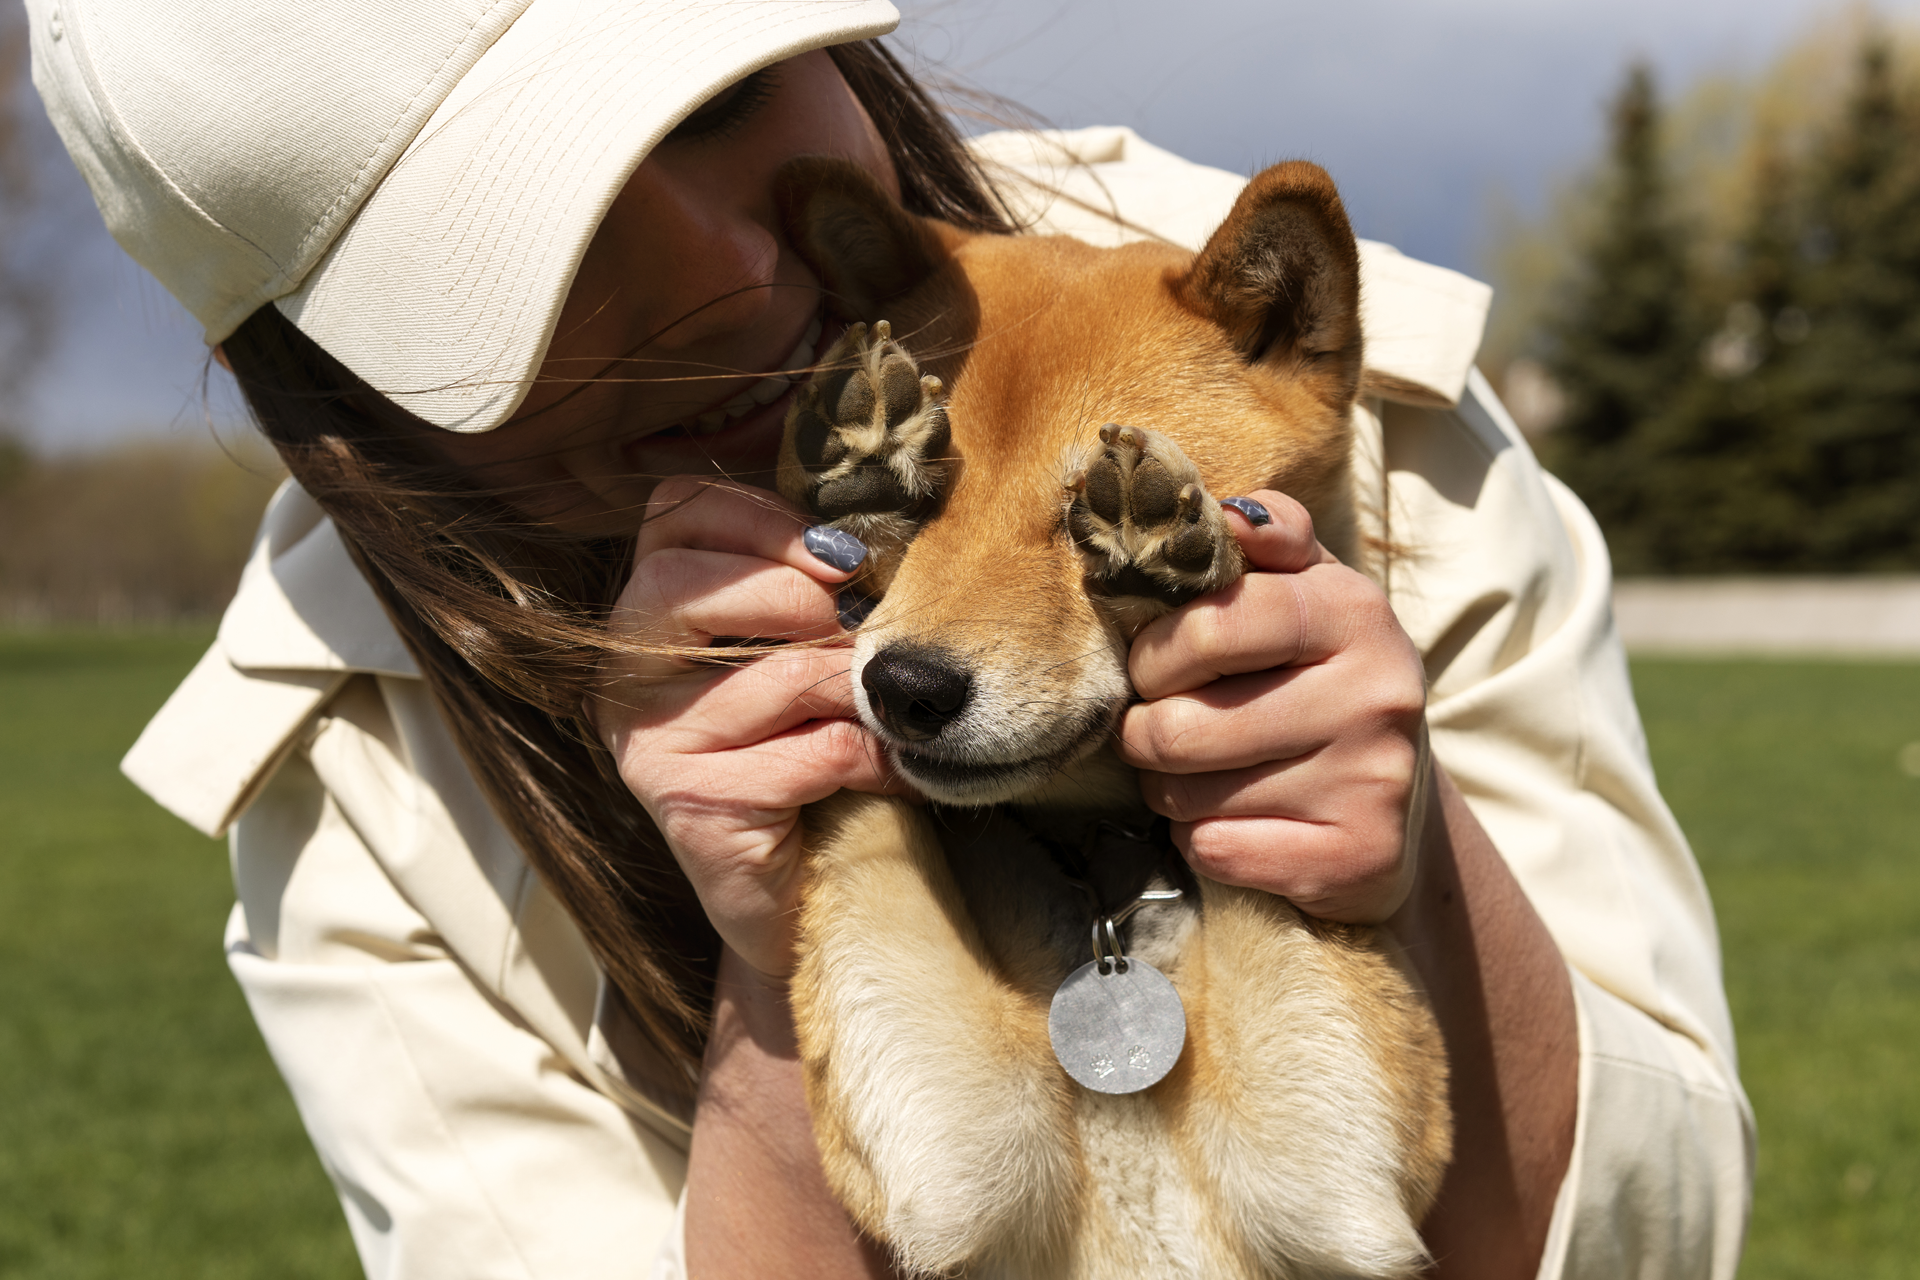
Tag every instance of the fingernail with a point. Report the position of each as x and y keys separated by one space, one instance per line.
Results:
x=1256 y=514
x=835 y=547
x=853 y=608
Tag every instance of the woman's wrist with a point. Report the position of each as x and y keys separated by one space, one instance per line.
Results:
x=1500 y=991
x=752 y=1004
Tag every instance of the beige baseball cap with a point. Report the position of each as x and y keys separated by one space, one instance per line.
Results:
x=412 y=182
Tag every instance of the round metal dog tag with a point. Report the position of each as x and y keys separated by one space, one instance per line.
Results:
x=1119 y=1031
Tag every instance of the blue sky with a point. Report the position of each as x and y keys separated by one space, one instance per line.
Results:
x=1425 y=111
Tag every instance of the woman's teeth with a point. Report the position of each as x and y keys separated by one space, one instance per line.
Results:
x=763 y=392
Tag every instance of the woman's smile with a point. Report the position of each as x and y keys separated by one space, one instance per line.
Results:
x=738 y=436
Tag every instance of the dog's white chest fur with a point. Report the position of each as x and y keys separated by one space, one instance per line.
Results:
x=1279 y=1145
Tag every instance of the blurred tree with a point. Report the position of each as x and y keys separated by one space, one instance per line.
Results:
x=1718 y=488
x=1620 y=341
x=1739 y=354
x=27 y=294
x=1854 y=391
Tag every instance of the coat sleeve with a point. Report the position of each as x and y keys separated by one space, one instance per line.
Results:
x=1502 y=579
x=462 y=1145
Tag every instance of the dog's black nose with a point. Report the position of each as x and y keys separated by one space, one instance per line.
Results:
x=915 y=693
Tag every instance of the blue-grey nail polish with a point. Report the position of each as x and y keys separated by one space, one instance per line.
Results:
x=853 y=608
x=835 y=547
x=1256 y=514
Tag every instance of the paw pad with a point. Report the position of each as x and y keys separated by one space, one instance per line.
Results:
x=1145 y=523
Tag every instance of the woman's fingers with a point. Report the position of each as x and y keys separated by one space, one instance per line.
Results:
x=732 y=819
x=715 y=708
x=1272 y=715
x=798 y=766
x=724 y=748
x=723 y=559
x=1333 y=871
x=705 y=514
x=1229 y=724
x=1275 y=532
x=684 y=596
x=1264 y=620
x=1329 y=784
x=1295 y=605
x=1256 y=624
x=1326 y=829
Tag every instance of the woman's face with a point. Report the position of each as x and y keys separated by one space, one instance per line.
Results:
x=687 y=300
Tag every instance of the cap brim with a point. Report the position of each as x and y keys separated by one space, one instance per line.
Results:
x=444 y=290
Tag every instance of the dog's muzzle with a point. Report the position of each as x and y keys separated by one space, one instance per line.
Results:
x=961 y=737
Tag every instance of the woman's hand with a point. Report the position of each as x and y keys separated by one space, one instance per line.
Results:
x=1282 y=726
x=723 y=755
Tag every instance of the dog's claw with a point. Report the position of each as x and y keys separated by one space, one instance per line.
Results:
x=1151 y=535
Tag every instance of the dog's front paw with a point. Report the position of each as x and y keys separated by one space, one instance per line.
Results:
x=867 y=441
x=1152 y=537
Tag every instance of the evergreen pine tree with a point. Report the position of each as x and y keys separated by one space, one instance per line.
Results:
x=1717 y=488
x=1623 y=341
x=1856 y=391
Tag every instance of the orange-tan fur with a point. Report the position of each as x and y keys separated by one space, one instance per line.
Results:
x=1304 y=1131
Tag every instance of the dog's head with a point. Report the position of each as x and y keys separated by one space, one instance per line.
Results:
x=993 y=661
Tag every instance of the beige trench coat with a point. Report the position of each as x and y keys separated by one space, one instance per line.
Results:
x=481 y=1107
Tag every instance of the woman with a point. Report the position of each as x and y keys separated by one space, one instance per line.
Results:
x=503 y=283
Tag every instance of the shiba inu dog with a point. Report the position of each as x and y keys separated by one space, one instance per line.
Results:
x=1032 y=446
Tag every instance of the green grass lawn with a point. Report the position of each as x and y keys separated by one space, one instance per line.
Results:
x=143 y=1132
x=1788 y=779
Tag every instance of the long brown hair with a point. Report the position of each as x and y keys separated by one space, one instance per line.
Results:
x=504 y=615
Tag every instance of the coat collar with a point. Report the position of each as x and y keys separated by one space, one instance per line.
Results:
x=302 y=603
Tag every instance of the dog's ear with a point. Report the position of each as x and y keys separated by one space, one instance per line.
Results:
x=1282 y=277
x=864 y=247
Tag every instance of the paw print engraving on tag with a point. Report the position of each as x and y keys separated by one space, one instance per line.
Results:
x=1117 y=1032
